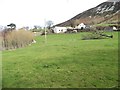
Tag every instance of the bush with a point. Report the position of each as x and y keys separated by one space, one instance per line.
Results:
x=17 y=39
x=94 y=35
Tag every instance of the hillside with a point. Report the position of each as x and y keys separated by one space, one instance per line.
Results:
x=106 y=12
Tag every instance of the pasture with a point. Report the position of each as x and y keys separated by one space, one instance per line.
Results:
x=64 y=61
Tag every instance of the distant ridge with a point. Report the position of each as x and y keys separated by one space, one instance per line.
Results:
x=113 y=0
x=106 y=12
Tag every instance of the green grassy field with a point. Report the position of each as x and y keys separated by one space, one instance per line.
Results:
x=65 y=61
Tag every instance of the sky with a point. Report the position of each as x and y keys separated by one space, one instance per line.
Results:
x=36 y=12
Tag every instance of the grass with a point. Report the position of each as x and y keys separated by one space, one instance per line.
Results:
x=65 y=61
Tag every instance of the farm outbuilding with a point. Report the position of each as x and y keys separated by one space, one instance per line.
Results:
x=81 y=26
x=59 y=29
x=115 y=28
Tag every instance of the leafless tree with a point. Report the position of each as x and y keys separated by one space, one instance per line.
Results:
x=49 y=24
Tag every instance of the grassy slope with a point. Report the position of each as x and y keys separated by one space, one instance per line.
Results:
x=64 y=61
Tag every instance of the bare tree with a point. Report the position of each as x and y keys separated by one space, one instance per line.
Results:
x=72 y=24
x=49 y=24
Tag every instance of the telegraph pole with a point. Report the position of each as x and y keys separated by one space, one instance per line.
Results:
x=45 y=32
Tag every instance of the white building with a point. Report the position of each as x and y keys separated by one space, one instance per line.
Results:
x=59 y=29
x=81 y=26
x=114 y=28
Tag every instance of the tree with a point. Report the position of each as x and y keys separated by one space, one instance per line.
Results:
x=37 y=27
x=12 y=26
x=26 y=27
x=49 y=24
x=74 y=23
x=77 y=22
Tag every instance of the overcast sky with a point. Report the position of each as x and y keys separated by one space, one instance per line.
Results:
x=35 y=12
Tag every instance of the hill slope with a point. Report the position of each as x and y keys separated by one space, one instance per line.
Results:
x=107 y=12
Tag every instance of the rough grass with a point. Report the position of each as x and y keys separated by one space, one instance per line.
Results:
x=17 y=39
x=65 y=61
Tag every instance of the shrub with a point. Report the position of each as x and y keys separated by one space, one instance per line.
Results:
x=17 y=39
x=94 y=35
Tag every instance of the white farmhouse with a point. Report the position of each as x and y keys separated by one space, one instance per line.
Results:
x=114 y=28
x=59 y=29
x=81 y=26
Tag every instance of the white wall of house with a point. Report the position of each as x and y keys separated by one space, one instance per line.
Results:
x=59 y=29
x=69 y=27
x=114 y=28
x=80 y=26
